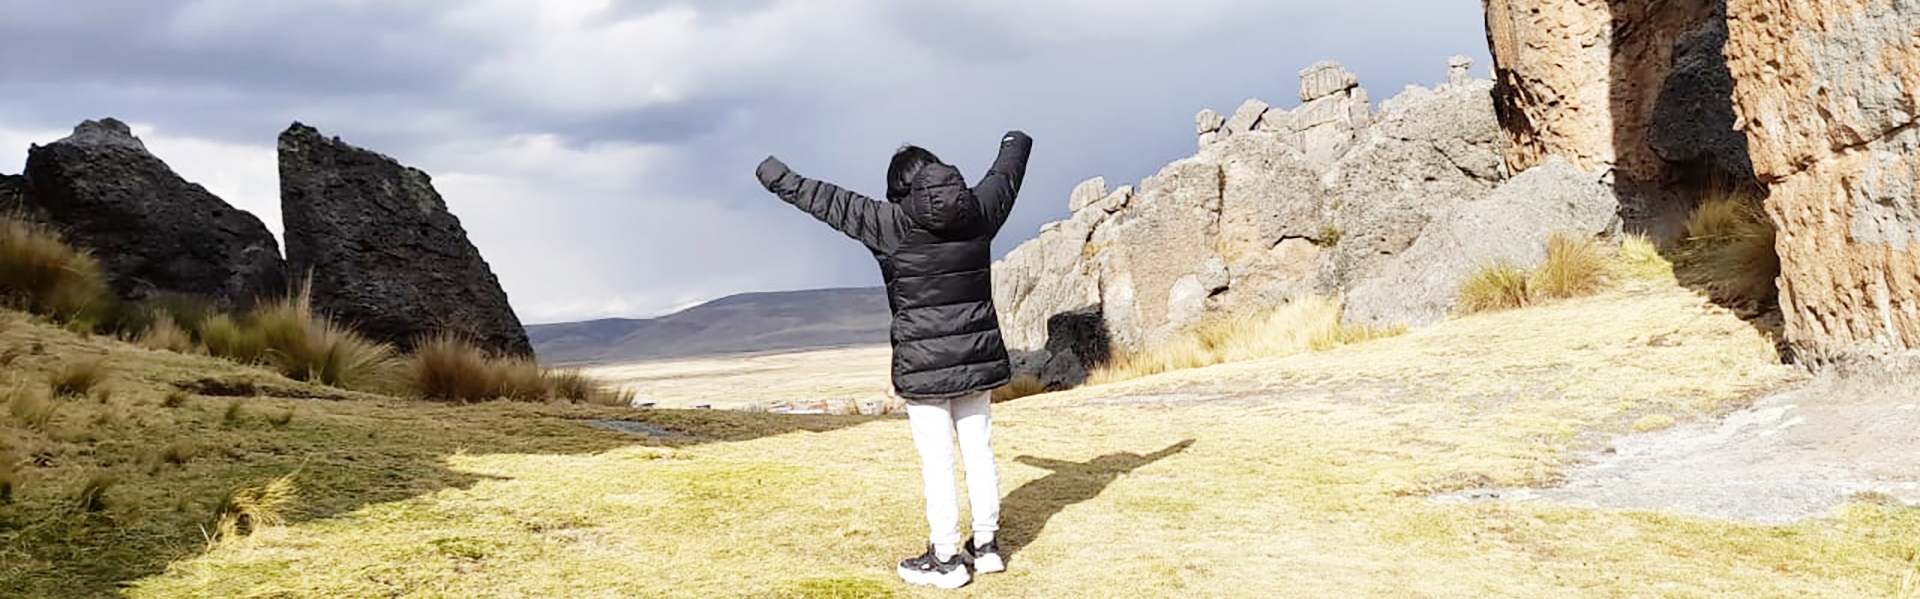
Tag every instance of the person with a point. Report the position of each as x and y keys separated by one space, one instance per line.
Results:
x=933 y=239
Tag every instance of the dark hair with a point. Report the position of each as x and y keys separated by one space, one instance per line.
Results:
x=907 y=162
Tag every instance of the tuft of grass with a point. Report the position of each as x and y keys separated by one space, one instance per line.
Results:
x=575 y=386
x=1023 y=385
x=92 y=497
x=281 y=418
x=1306 y=324
x=1640 y=260
x=78 y=378
x=30 y=407
x=225 y=338
x=246 y=510
x=1575 y=267
x=44 y=275
x=311 y=349
x=1329 y=237
x=179 y=452
x=175 y=399
x=234 y=414
x=449 y=368
x=1498 y=286
x=1730 y=251
x=103 y=395
x=164 y=334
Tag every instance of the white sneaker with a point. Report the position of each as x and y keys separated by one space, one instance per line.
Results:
x=985 y=560
x=930 y=571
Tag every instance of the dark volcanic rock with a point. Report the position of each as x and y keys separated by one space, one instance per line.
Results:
x=384 y=253
x=154 y=233
x=13 y=194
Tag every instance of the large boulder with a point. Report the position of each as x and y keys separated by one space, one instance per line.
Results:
x=154 y=233
x=1830 y=95
x=1510 y=225
x=384 y=253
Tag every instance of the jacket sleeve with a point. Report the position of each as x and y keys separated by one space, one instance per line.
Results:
x=871 y=222
x=998 y=189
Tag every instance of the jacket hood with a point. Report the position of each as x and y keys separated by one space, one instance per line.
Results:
x=940 y=202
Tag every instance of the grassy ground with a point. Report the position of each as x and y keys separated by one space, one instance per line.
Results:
x=1300 y=476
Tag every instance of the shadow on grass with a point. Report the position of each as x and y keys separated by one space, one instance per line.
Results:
x=1025 y=511
x=347 y=455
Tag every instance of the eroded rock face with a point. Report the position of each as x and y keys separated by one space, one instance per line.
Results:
x=1278 y=204
x=1592 y=81
x=1828 y=93
x=154 y=233
x=384 y=252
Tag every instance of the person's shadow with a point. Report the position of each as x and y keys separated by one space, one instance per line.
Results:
x=1026 y=510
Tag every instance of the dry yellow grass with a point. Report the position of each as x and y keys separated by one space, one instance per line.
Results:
x=1730 y=251
x=1307 y=324
x=1640 y=260
x=1495 y=287
x=1304 y=478
x=166 y=335
x=41 y=274
x=1575 y=267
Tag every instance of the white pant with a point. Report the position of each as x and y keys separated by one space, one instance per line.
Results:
x=934 y=424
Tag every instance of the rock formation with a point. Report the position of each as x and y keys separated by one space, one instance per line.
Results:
x=154 y=233
x=13 y=194
x=1632 y=90
x=1828 y=93
x=383 y=252
x=1390 y=210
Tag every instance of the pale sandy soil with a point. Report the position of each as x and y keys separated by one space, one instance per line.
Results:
x=840 y=375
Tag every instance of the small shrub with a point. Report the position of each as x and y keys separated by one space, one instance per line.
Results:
x=175 y=399
x=1024 y=385
x=225 y=338
x=93 y=494
x=246 y=510
x=78 y=378
x=1498 y=286
x=163 y=334
x=281 y=418
x=30 y=407
x=1575 y=267
x=234 y=414
x=1730 y=251
x=44 y=275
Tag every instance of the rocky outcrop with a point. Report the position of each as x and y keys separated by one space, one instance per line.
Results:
x=1326 y=198
x=13 y=194
x=1828 y=93
x=154 y=233
x=383 y=252
x=1633 y=91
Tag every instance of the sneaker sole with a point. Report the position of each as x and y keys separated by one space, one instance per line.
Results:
x=988 y=564
x=951 y=580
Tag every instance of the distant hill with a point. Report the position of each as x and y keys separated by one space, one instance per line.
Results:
x=752 y=322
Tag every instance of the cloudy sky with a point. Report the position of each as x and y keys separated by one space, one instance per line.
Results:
x=600 y=152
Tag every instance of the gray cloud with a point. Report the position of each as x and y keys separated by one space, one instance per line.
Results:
x=602 y=159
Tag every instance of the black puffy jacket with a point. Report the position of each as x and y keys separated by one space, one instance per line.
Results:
x=935 y=249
